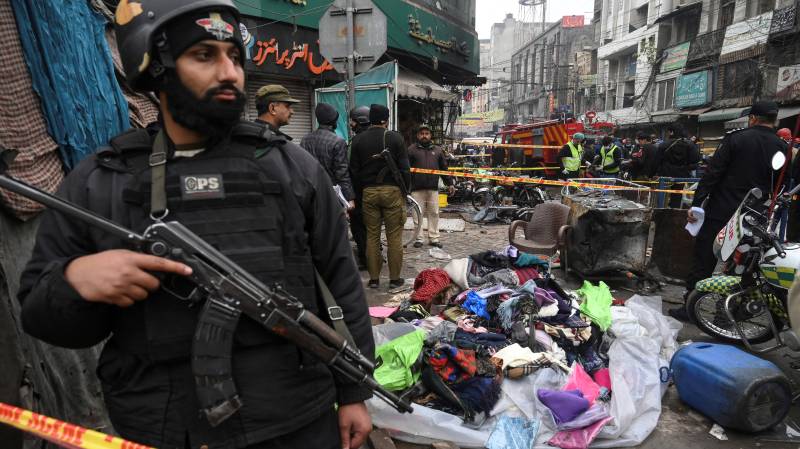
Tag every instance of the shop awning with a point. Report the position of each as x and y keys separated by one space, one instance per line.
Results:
x=668 y=116
x=720 y=115
x=414 y=85
x=692 y=112
x=782 y=114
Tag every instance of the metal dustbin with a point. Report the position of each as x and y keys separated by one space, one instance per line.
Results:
x=608 y=233
x=672 y=244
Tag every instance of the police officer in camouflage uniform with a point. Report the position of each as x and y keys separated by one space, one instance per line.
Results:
x=259 y=199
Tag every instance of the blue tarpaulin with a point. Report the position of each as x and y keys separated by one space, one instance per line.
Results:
x=371 y=87
x=72 y=71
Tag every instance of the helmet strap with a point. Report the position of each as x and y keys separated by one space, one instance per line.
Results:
x=164 y=60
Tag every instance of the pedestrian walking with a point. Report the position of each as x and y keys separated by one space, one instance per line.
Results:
x=383 y=192
x=742 y=161
x=571 y=157
x=610 y=158
x=425 y=188
x=258 y=198
x=274 y=107
x=330 y=150
x=359 y=122
x=677 y=158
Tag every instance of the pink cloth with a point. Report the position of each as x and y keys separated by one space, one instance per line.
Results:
x=578 y=438
x=382 y=312
x=579 y=380
x=603 y=378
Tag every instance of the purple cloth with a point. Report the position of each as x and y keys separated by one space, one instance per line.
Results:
x=564 y=405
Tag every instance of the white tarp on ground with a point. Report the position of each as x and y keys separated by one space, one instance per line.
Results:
x=645 y=341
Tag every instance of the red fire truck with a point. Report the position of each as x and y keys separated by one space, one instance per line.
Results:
x=551 y=135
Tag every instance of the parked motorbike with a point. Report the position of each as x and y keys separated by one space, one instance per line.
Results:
x=522 y=194
x=747 y=303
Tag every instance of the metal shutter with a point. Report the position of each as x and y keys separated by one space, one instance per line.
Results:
x=301 y=122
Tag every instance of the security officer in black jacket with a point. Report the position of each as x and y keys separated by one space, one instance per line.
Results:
x=742 y=161
x=259 y=199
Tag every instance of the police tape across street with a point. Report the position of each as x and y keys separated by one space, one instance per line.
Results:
x=548 y=182
x=63 y=434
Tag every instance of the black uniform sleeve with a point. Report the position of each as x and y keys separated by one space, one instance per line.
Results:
x=52 y=310
x=715 y=171
x=341 y=172
x=333 y=258
x=355 y=164
x=398 y=147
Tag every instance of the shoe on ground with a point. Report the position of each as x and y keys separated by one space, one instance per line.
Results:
x=396 y=283
x=435 y=244
x=374 y=283
x=679 y=313
x=417 y=244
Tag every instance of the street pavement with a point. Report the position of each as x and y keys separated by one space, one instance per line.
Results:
x=679 y=425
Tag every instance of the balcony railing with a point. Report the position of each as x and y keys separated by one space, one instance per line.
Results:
x=706 y=45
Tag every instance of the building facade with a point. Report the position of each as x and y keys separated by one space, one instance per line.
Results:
x=697 y=63
x=544 y=72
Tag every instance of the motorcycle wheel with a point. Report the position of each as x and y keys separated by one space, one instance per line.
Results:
x=707 y=312
x=481 y=200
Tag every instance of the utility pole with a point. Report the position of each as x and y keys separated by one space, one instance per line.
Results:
x=351 y=63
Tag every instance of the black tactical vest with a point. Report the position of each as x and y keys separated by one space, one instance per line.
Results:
x=241 y=205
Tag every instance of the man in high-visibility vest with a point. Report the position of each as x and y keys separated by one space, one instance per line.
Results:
x=610 y=158
x=570 y=157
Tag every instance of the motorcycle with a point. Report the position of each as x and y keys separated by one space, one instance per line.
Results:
x=747 y=303
x=524 y=195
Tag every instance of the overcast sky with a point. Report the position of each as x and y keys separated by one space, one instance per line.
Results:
x=491 y=11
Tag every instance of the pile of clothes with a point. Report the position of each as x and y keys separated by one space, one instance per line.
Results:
x=497 y=317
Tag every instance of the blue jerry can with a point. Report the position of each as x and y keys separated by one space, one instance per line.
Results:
x=735 y=389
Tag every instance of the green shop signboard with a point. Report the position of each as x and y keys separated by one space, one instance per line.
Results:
x=675 y=57
x=693 y=89
x=411 y=29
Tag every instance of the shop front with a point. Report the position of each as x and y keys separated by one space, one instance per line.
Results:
x=279 y=53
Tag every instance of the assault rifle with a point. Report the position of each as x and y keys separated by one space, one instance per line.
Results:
x=226 y=291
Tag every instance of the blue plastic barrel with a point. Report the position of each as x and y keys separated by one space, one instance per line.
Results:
x=735 y=389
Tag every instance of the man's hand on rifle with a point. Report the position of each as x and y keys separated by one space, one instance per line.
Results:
x=119 y=276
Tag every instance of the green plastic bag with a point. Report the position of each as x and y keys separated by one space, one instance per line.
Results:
x=596 y=303
x=398 y=356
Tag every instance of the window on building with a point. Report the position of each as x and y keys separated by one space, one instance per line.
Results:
x=760 y=7
x=638 y=18
x=525 y=72
x=726 y=13
x=628 y=94
x=740 y=79
x=665 y=95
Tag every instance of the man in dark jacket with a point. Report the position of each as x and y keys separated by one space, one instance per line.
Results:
x=677 y=157
x=643 y=158
x=384 y=194
x=274 y=106
x=258 y=198
x=330 y=150
x=359 y=122
x=742 y=161
x=425 y=188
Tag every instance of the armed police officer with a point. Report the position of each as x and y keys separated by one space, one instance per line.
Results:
x=259 y=199
x=742 y=162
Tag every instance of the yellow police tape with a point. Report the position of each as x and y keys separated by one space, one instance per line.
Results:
x=61 y=433
x=638 y=181
x=541 y=181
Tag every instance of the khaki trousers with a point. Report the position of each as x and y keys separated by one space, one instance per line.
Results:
x=384 y=205
x=429 y=203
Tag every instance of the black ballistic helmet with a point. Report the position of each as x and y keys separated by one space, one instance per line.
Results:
x=360 y=115
x=141 y=38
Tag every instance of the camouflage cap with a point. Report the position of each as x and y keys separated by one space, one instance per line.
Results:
x=275 y=92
